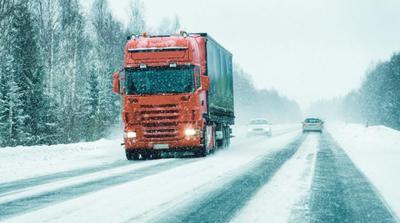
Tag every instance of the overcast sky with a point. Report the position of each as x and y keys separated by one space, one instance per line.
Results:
x=307 y=50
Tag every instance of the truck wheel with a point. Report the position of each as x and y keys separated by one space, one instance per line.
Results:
x=202 y=151
x=132 y=155
x=128 y=155
x=156 y=155
x=144 y=155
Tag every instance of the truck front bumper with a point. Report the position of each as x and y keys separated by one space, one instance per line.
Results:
x=188 y=143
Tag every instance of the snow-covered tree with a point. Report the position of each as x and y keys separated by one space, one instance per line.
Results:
x=169 y=26
x=109 y=40
x=136 y=23
x=12 y=114
x=23 y=49
x=90 y=111
x=47 y=14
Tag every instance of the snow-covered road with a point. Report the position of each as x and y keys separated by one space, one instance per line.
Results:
x=290 y=177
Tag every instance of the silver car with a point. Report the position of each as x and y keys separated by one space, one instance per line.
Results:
x=259 y=127
x=313 y=125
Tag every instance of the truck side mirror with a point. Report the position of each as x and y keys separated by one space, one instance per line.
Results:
x=116 y=85
x=205 y=83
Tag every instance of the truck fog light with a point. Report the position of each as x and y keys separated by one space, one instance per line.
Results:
x=130 y=135
x=190 y=132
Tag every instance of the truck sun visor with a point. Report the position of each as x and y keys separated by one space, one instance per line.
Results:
x=156 y=49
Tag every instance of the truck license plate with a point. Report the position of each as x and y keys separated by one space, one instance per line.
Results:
x=161 y=146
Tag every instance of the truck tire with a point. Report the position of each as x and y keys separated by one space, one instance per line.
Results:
x=128 y=155
x=156 y=155
x=202 y=151
x=131 y=155
x=135 y=156
x=144 y=155
x=227 y=137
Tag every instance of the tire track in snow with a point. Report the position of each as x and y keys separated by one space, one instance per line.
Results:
x=38 y=201
x=222 y=204
x=277 y=199
x=9 y=187
x=340 y=192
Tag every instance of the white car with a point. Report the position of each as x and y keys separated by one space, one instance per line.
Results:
x=259 y=127
x=313 y=125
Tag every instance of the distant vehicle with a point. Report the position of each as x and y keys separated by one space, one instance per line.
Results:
x=259 y=127
x=313 y=125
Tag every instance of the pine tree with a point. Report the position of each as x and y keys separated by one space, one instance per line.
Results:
x=90 y=103
x=12 y=115
x=3 y=108
x=45 y=127
x=74 y=68
x=23 y=50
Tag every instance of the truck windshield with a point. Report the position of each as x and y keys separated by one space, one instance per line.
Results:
x=312 y=120
x=159 y=80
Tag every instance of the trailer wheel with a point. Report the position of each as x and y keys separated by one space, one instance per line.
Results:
x=226 y=141
x=227 y=137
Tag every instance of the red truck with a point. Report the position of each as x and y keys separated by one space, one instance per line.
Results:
x=177 y=93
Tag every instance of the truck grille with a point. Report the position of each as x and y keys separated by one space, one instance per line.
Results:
x=160 y=122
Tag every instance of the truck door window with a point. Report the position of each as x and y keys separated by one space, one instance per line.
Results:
x=197 y=76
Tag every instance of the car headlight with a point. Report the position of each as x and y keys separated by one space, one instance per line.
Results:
x=130 y=135
x=190 y=132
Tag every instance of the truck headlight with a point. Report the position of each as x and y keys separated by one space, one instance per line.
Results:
x=130 y=135
x=190 y=132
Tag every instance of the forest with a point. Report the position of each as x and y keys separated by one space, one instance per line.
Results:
x=376 y=102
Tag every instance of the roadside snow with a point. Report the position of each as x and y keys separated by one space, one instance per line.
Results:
x=376 y=152
x=24 y=162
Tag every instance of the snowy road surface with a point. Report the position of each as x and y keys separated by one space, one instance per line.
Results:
x=289 y=177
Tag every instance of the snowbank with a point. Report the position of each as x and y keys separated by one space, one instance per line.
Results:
x=376 y=152
x=23 y=161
